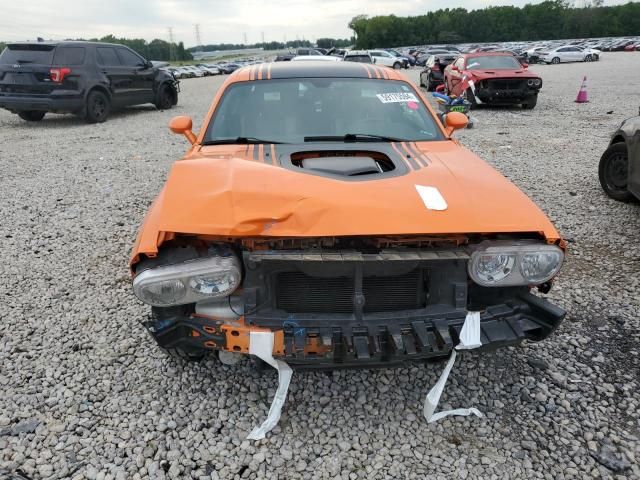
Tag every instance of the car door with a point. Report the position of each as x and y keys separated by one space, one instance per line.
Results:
x=565 y=54
x=142 y=76
x=116 y=74
x=633 y=151
x=577 y=54
x=455 y=77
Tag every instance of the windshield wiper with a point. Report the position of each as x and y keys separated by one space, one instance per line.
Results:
x=353 y=137
x=239 y=140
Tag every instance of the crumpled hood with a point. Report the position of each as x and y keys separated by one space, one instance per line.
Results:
x=488 y=74
x=228 y=193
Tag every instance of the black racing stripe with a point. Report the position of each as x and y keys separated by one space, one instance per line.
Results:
x=417 y=158
x=403 y=157
x=420 y=153
x=410 y=157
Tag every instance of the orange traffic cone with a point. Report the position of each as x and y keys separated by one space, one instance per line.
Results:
x=582 y=94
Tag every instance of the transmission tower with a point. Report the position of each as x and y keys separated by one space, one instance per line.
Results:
x=170 y=43
x=198 y=39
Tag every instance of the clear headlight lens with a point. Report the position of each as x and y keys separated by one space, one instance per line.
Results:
x=494 y=268
x=188 y=282
x=502 y=264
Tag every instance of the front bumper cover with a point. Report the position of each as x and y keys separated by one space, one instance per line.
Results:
x=378 y=340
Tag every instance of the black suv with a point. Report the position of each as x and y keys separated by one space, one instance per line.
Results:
x=85 y=78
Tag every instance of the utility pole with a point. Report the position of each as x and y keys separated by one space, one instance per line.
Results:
x=263 y=38
x=245 y=38
x=198 y=40
x=170 y=43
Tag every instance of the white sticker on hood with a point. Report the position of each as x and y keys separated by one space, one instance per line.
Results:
x=397 y=97
x=431 y=197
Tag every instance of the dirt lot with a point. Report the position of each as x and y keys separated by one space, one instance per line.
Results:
x=86 y=394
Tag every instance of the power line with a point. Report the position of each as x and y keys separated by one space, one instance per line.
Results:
x=198 y=39
x=170 y=29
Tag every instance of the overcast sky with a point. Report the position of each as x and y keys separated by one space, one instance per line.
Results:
x=220 y=21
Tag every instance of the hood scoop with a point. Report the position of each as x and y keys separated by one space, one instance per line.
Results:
x=343 y=164
x=349 y=166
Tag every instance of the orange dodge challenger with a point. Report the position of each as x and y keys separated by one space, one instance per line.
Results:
x=329 y=205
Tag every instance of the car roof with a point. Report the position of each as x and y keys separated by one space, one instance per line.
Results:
x=315 y=69
x=487 y=54
x=66 y=43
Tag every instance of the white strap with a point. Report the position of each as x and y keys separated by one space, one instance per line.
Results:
x=261 y=345
x=469 y=339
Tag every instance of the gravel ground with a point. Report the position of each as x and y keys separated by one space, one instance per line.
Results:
x=86 y=394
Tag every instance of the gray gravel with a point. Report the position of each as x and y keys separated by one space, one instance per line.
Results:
x=85 y=393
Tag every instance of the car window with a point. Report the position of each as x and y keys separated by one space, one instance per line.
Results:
x=375 y=53
x=129 y=59
x=289 y=110
x=27 y=53
x=358 y=58
x=107 y=56
x=562 y=49
x=497 y=62
x=69 y=56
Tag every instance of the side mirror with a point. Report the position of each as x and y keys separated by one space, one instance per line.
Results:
x=182 y=125
x=525 y=65
x=455 y=121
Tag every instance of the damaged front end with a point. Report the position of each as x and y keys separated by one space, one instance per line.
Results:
x=507 y=90
x=350 y=302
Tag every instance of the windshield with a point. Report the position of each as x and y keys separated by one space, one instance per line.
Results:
x=41 y=54
x=287 y=111
x=358 y=58
x=493 y=62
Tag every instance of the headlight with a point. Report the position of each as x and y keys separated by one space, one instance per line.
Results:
x=530 y=82
x=537 y=82
x=498 y=265
x=188 y=282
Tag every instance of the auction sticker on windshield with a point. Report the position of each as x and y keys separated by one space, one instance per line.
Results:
x=397 y=97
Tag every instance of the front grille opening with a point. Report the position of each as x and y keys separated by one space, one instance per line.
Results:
x=341 y=162
x=297 y=292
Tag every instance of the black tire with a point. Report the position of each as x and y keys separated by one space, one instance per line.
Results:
x=555 y=60
x=613 y=172
x=32 y=115
x=430 y=85
x=397 y=66
x=470 y=97
x=97 y=107
x=166 y=97
x=421 y=81
x=588 y=58
x=530 y=103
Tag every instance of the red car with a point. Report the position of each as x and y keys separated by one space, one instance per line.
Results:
x=494 y=78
